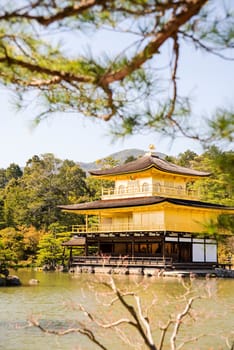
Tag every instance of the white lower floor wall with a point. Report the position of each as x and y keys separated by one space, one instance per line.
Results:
x=193 y=249
x=204 y=251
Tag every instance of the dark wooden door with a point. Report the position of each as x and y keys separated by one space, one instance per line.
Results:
x=185 y=252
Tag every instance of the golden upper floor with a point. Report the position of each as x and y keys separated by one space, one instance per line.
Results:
x=150 y=176
x=147 y=188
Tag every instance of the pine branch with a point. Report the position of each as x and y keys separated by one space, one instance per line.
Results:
x=169 y=30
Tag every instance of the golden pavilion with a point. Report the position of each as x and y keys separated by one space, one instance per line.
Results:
x=150 y=214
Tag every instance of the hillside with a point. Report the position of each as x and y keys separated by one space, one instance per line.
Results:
x=120 y=156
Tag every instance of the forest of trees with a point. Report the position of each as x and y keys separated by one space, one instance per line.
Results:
x=32 y=227
x=134 y=85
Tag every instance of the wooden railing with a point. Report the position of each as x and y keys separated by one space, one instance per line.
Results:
x=150 y=190
x=127 y=228
x=120 y=261
x=116 y=228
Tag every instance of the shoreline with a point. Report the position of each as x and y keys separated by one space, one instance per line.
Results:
x=191 y=273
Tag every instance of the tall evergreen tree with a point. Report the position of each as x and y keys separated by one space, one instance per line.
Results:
x=46 y=183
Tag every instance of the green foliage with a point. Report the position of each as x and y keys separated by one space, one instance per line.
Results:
x=171 y=159
x=222 y=125
x=32 y=227
x=11 y=246
x=15 y=204
x=226 y=250
x=31 y=237
x=185 y=159
x=107 y=162
x=13 y=172
x=226 y=223
x=95 y=187
x=130 y=159
x=19 y=246
x=3 y=178
x=2 y=214
x=219 y=187
x=46 y=182
x=50 y=250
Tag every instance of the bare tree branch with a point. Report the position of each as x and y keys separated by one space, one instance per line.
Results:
x=87 y=332
x=137 y=319
x=141 y=323
x=179 y=320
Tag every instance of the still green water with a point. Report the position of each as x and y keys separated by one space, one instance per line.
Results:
x=54 y=302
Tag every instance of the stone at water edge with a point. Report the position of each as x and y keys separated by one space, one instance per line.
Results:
x=12 y=280
x=2 y=282
x=33 y=282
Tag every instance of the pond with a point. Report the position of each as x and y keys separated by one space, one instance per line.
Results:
x=55 y=301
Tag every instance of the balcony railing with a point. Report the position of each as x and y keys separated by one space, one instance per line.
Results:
x=120 y=261
x=123 y=229
x=149 y=190
x=126 y=228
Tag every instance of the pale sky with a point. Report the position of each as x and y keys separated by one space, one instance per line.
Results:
x=209 y=79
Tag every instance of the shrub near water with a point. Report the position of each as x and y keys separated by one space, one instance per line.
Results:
x=50 y=250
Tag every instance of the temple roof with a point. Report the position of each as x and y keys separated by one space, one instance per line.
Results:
x=146 y=162
x=75 y=241
x=140 y=201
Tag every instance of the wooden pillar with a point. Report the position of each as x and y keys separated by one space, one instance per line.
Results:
x=70 y=257
x=86 y=248
x=86 y=223
x=163 y=244
x=133 y=248
x=204 y=243
x=63 y=257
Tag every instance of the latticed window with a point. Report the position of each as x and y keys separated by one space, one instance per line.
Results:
x=133 y=186
x=121 y=189
x=145 y=187
x=180 y=189
x=157 y=187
